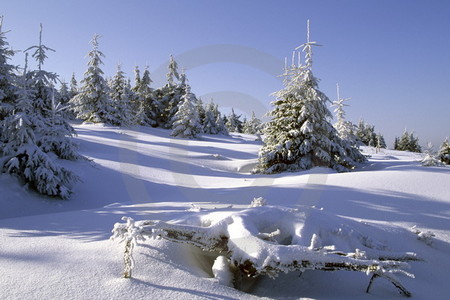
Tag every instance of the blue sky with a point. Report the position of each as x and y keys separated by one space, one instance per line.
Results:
x=392 y=58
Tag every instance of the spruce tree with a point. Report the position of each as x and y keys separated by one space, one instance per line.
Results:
x=209 y=122
x=404 y=141
x=213 y=122
x=234 y=123
x=444 y=152
x=151 y=104
x=169 y=96
x=344 y=128
x=93 y=103
x=365 y=134
x=396 y=141
x=56 y=134
x=300 y=136
x=120 y=95
x=136 y=102
x=52 y=131
x=173 y=71
x=43 y=81
x=63 y=93
x=380 y=141
x=220 y=124
x=186 y=122
x=253 y=125
x=144 y=103
x=7 y=76
x=201 y=110
x=73 y=86
x=63 y=97
x=414 y=145
x=408 y=142
x=21 y=154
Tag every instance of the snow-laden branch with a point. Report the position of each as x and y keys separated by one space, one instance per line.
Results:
x=267 y=240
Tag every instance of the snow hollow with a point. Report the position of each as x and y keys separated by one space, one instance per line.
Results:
x=60 y=249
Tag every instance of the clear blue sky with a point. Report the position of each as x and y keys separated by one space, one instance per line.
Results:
x=392 y=58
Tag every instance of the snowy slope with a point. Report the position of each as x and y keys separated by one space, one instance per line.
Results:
x=53 y=249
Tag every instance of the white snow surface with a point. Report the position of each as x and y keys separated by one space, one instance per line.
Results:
x=60 y=249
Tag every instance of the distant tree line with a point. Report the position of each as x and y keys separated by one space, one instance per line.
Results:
x=172 y=106
x=35 y=113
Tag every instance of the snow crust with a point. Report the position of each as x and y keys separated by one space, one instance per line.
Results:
x=53 y=249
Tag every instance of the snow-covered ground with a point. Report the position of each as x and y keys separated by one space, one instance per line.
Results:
x=60 y=249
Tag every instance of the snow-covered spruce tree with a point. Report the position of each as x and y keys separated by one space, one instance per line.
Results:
x=73 y=86
x=144 y=102
x=402 y=142
x=414 y=145
x=169 y=96
x=431 y=158
x=299 y=135
x=408 y=142
x=7 y=77
x=345 y=129
x=137 y=103
x=186 y=122
x=19 y=150
x=213 y=122
x=252 y=126
x=396 y=141
x=73 y=91
x=172 y=74
x=444 y=152
x=366 y=134
x=209 y=122
x=56 y=134
x=52 y=131
x=92 y=103
x=201 y=110
x=220 y=124
x=63 y=93
x=380 y=142
x=234 y=123
x=120 y=94
x=63 y=97
x=43 y=81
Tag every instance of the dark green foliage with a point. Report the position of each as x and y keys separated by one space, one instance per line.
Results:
x=407 y=142
x=366 y=133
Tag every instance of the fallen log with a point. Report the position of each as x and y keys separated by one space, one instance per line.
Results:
x=254 y=243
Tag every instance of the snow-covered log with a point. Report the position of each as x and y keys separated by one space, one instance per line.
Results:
x=267 y=240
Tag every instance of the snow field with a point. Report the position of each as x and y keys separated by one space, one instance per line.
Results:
x=53 y=249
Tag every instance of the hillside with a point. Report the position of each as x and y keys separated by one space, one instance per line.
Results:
x=55 y=249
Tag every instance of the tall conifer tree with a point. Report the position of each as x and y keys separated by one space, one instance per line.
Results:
x=120 y=94
x=252 y=126
x=344 y=128
x=7 y=76
x=300 y=136
x=93 y=103
x=186 y=122
x=22 y=132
